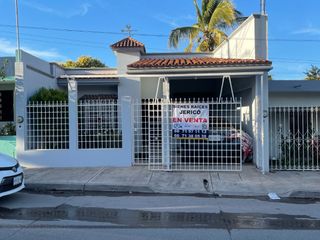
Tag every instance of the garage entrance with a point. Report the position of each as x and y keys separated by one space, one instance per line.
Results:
x=222 y=146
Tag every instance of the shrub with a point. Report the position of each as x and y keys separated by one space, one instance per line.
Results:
x=49 y=95
x=8 y=130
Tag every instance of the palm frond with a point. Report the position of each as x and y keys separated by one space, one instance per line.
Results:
x=224 y=13
x=211 y=6
x=182 y=33
x=204 y=5
x=199 y=14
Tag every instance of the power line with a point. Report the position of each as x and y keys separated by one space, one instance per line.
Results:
x=81 y=30
x=145 y=34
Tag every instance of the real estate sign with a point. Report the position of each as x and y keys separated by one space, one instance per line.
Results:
x=190 y=121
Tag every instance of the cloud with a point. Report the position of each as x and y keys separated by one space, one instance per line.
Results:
x=81 y=10
x=175 y=21
x=8 y=48
x=311 y=30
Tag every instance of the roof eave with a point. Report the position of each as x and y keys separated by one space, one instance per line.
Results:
x=195 y=70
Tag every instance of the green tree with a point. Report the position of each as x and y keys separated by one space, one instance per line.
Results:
x=214 y=18
x=83 y=62
x=313 y=73
x=3 y=69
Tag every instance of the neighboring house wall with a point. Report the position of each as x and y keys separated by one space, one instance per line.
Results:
x=248 y=41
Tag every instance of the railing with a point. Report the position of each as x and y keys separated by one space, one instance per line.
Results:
x=160 y=144
x=99 y=124
x=47 y=125
x=294 y=138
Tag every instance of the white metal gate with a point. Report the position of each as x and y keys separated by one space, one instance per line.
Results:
x=294 y=138
x=158 y=146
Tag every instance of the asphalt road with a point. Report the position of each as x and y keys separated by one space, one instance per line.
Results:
x=35 y=216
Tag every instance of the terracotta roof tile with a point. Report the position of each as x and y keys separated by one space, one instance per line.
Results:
x=194 y=62
x=128 y=42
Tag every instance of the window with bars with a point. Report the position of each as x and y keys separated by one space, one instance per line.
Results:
x=99 y=123
x=47 y=125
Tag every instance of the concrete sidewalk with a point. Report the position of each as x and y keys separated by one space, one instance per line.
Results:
x=248 y=183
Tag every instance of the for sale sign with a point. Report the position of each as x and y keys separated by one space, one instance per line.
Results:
x=190 y=121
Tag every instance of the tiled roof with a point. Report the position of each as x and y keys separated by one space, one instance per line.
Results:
x=194 y=62
x=128 y=42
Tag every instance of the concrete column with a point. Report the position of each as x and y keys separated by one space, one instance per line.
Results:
x=265 y=122
x=73 y=114
x=166 y=135
x=261 y=124
x=21 y=113
x=127 y=129
x=257 y=123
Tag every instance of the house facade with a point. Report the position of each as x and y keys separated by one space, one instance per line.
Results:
x=170 y=111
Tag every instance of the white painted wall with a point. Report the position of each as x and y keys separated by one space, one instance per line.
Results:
x=129 y=86
x=33 y=73
x=248 y=41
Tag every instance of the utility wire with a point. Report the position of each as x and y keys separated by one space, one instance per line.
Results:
x=144 y=34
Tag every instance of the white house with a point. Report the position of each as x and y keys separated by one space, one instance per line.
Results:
x=170 y=111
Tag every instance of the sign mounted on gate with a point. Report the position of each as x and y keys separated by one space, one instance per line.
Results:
x=190 y=121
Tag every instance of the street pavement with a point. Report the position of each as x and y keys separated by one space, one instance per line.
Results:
x=249 y=182
x=45 y=216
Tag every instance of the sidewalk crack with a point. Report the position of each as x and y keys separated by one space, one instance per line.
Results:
x=94 y=176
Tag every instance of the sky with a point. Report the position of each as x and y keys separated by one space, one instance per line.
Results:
x=294 y=29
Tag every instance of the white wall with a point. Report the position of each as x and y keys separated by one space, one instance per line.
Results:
x=37 y=73
x=128 y=86
x=249 y=40
x=33 y=73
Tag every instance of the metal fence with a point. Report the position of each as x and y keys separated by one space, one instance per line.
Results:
x=47 y=125
x=160 y=145
x=99 y=124
x=294 y=138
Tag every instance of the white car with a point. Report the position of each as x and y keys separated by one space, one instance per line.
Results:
x=11 y=175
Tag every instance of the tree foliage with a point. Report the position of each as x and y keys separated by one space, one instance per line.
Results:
x=313 y=73
x=83 y=62
x=3 y=69
x=49 y=95
x=213 y=19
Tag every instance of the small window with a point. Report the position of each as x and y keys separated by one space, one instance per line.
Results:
x=6 y=106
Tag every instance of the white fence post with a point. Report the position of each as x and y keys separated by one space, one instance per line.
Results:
x=73 y=114
x=165 y=134
x=127 y=126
